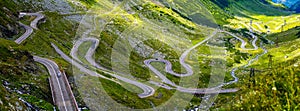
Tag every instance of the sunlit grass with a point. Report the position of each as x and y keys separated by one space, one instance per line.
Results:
x=263 y=23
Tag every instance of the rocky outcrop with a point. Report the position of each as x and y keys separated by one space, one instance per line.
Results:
x=23 y=81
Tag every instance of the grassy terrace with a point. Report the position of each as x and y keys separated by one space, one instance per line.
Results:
x=263 y=23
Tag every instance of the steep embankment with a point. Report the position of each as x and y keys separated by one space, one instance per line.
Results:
x=24 y=84
x=285 y=36
x=21 y=79
x=275 y=83
x=8 y=18
x=155 y=29
x=222 y=10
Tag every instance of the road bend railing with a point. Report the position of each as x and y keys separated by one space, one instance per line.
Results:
x=52 y=90
x=70 y=92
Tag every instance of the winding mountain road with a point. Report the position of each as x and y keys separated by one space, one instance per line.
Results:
x=243 y=41
x=62 y=96
x=250 y=61
x=29 y=29
x=34 y=23
x=257 y=56
x=182 y=58
x=27 y=33
x=89 y=53
x=147 y=90
x=168 y=68
x=254 y=41
x=65 y=101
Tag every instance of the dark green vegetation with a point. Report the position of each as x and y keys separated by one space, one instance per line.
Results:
x=17 y=66
x=22 y=78
x=131 y=100
x=244 y=7
x=276 y=87
x=8 y=18
x=192 y=10
x=218 y=13
x=88 y=2
x=285 y=36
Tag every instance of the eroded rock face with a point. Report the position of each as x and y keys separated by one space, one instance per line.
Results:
x=8 y=25
x=19 y=76
x=9 y=11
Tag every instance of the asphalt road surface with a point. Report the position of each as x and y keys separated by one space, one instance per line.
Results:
x=34 y=23
x=29 y=29
x=147 y=90
x=61 y=94
x=168 y=67
x=28 y=32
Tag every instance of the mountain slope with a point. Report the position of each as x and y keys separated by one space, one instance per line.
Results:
x=8 y=18
x=22 y=79
x=289 y=35
x=246 y=7
x=296 y=7
x=24 y=83
x=138 y=30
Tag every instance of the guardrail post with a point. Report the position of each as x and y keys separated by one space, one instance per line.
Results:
x=70 y=92
x=52 y=93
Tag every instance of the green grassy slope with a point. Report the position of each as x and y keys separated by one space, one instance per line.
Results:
x=166 y=23
x=285 y=36
x=265 y=16
x=194 y=10
x=221 y=10
x=276 y=82
x=17 y=66
x=19 y=73
x=163 y=27
x=8 y=18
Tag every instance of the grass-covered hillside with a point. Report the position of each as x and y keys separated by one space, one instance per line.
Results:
x=285 y=36
x=22 y=80
x=261 y=16
x=265 y=24
x=161 y=29
x=24 y=83
x=275 y=84
x=152 y=29
x=8 y=18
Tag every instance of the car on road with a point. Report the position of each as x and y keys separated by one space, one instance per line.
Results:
x=58 y=74
x=86 y=66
